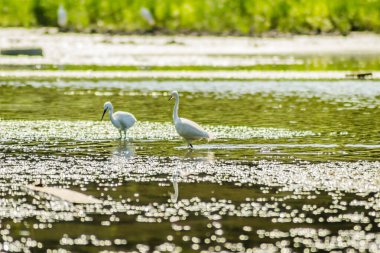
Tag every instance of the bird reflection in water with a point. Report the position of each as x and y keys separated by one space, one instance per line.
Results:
x=174 y=196
x=187 y=169
x=200 y=156
x=125 y=149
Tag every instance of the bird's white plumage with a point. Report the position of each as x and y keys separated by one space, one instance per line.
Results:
x=190 y=130
x=187 y=129
x=121 y=120
x=62 y=16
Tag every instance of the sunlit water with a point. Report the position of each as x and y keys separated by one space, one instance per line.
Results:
x=294 y=165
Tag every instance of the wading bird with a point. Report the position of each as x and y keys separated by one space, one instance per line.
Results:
x=121 y=120
x=187 y=129
x=62 y=17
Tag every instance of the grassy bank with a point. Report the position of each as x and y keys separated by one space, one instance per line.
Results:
x=200 y=16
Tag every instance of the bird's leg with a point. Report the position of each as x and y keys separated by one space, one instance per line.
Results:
x=121 y=135
x=125 y=134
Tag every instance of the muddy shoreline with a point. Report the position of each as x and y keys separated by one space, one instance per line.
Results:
x=104 y=49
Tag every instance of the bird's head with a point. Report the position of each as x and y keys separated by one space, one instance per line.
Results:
x=107 y=106
x=174 y=94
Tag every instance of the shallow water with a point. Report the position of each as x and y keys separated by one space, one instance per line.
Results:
x=293 y=165
x=202 y=62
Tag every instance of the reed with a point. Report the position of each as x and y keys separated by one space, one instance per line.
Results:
x=244 y=17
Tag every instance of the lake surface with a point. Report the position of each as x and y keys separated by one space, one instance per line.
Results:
x=294 y=165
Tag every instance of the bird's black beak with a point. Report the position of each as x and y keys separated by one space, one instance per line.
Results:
x=170 y=98
x=104 y=112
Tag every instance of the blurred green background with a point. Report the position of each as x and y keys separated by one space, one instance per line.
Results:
x=199 y=16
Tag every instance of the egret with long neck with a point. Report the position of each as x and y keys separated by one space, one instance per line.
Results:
x=121 y=120
x=187 y=129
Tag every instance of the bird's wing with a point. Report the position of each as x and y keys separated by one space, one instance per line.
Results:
x=126 y=119
x=191 y=130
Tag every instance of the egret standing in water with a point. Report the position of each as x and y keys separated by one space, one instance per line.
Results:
x=187 y=129
x=62 y=17
x=121 y=120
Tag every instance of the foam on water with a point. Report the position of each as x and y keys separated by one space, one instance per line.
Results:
x=351 y=88
x=26 y=131
x=355 y=177
x=309 y=88
x=261 y=146
x=291 y=194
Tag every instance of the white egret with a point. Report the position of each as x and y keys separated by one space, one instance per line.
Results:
x=121 y=120
x=187 y=129
x=61 y=16
x=147 y=15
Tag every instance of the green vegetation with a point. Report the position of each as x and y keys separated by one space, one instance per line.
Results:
x=199 y=16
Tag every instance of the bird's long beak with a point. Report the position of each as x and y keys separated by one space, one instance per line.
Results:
x=104 y=112
x=170 y=98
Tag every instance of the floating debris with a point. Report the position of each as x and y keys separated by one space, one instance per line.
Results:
x=360 y=75
x=65 y=194
x=22 y=51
